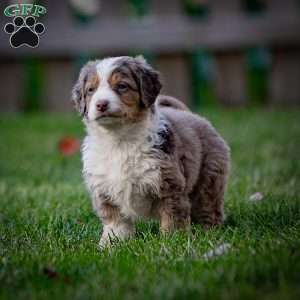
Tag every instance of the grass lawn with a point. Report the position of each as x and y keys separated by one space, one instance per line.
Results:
x=49 y=233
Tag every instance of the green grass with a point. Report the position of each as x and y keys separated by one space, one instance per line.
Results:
x=49 y=233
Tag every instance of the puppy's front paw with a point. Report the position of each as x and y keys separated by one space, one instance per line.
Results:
x=113 y=234
x=105 y=242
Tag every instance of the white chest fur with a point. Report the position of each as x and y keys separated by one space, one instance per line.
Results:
x=126 y=172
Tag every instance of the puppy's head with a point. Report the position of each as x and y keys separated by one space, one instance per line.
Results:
x=116 y=90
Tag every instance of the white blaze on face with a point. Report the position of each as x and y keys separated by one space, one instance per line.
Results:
x=104 y=91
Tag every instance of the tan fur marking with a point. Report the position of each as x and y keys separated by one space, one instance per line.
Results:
x=130 y=98
x=92 y=81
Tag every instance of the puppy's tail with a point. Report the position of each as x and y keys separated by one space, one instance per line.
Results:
x=167 y=101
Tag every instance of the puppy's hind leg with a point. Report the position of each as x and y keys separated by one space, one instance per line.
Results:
x=207 y=197
x=175 y=214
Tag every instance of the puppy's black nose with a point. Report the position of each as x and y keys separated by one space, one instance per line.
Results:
x=102 y=105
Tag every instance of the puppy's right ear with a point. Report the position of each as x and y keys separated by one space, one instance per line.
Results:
x=78 y=95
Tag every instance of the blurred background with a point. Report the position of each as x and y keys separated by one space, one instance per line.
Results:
x=210 y=52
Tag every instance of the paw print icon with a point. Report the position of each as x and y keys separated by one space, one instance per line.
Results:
x=24 y=32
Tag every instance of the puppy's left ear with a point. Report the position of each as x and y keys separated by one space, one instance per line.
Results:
x=150 y=84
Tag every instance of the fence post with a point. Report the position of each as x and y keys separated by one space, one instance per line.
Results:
x=230 y=67
x=11 y=80
x=59 y=85
x=231 y=78
x=285 y=71
x=175 y=76
x=285 y=77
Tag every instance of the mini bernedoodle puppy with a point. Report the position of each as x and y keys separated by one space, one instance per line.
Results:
x=146 y=155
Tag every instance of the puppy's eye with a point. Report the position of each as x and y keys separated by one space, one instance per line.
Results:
x=90 y=90
x=122 y=87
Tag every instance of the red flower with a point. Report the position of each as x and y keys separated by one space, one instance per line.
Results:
x=68 y=145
